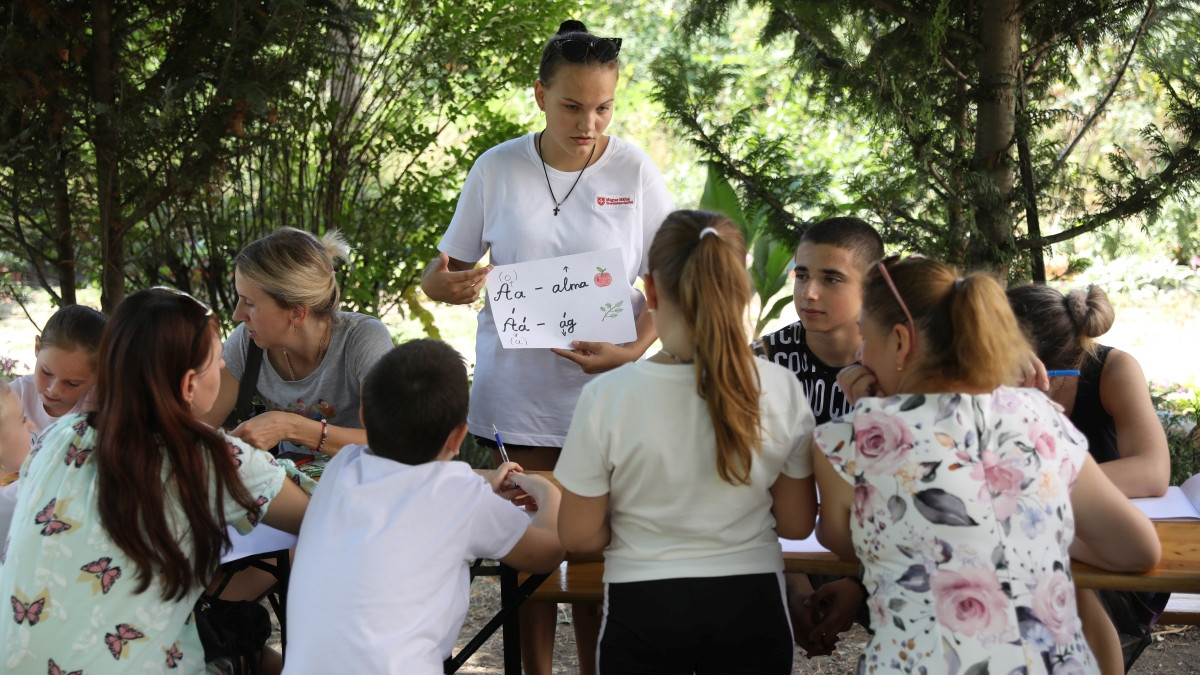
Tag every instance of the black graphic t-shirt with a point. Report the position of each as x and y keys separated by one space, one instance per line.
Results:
x=787 y=347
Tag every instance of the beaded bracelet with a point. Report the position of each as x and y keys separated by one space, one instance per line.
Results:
x=324 y=435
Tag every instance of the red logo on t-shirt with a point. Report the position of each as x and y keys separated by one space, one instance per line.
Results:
x=614 y=201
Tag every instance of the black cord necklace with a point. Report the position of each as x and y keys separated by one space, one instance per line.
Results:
x=546 y=173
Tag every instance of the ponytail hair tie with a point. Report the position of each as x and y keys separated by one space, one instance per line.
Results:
x=958 y=283
x=710 y=230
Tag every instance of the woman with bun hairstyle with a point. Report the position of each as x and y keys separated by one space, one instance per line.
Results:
x=122 y=513
x=964 y=499
x=686 y=468
x=1109 y=401
x=313 y=356
x=566 y=189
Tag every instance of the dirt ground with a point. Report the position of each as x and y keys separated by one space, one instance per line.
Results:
x=1176 y=650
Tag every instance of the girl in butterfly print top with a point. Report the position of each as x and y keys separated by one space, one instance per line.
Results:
x=55 y=670
x=128 y=596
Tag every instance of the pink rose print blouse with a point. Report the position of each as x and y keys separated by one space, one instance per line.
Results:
x=962 y=519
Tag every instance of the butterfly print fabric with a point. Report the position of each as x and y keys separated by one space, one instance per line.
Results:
x=71 y=589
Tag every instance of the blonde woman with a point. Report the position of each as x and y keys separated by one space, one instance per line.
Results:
x=314 y=357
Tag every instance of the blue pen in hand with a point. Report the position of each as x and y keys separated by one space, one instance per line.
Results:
x=500 y=445
x=1061 y=373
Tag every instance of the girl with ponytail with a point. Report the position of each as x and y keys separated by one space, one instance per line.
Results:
x=963 y=498
x=686 y=468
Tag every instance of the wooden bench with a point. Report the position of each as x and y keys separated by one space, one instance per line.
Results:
x=1182 y=609
x=577 y=582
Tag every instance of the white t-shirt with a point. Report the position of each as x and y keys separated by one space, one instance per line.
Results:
x=505 y=207
x=642 y=435
x=31 y=403
x=380 y=582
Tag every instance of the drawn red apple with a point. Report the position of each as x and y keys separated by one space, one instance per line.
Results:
x=602 y=278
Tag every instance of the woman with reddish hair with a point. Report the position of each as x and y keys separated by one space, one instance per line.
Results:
x=122 y=513
x=965 y=499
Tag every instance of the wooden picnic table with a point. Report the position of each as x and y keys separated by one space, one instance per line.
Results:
x=581 y=578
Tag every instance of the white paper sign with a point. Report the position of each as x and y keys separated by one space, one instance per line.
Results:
x=553 y=301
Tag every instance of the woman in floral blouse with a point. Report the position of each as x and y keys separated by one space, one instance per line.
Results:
x=964 y=499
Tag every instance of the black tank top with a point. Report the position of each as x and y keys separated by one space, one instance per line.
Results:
x=1089 y=415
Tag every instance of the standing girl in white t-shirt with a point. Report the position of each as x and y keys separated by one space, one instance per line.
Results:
x=564 y=190
x=65 y=369
x=686 y=468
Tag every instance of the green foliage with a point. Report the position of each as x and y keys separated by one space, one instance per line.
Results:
x=1179 y=411
x=377 y=141
x=1141 y=278
x=116 y=123
x=474 y=454
x=770 y=259
x=231 y=119
x=959 y=158
x=741 y=107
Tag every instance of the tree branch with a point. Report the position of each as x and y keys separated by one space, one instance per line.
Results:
x=913 y=17
x=1037 y=51
x=1112 y=89
x=729 y=163
x=1184 y=165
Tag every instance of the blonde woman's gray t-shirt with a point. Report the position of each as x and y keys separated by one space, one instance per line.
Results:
x=331 y=391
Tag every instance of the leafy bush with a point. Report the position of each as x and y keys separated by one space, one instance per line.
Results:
x=11 y=368
x=1140 y=277
x=474 y=454
x=1179 y=411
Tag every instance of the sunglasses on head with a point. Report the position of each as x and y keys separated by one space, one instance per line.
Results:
x=576 y=50
x=882 y=268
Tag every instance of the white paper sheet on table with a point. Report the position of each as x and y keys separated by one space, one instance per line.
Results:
x=809 y=545
x=262 y=539
x=1180 y=503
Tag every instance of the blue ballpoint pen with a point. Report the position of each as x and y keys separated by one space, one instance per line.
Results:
x=503 y=453
x=499 y=443
x=1061 y=373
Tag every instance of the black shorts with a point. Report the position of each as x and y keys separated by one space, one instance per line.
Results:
x=736 y=624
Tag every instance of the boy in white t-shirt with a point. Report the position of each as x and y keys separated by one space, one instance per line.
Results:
x=380 y=581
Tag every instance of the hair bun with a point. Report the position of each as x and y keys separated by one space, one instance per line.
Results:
x=1077 y=306
x=571 y=26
